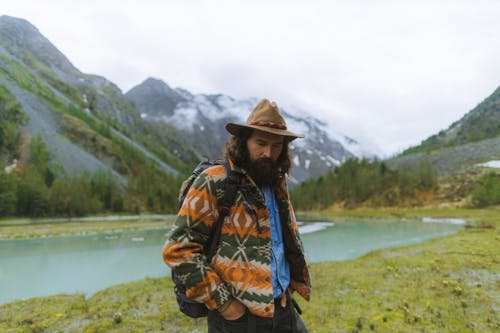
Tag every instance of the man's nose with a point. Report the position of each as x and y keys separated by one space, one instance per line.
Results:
x=267 y=152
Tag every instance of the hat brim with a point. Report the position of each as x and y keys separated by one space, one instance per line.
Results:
x=235 y=129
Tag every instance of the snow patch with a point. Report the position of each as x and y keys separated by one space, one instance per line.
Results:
x=443 y=220
x=307 y=228
x=491 y=164
x=333 y=160
x=186 y=115
x=296 y=160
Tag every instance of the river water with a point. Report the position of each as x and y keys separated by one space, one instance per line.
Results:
x=70 y=264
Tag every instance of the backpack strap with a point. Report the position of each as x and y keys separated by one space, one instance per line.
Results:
x=234 y=181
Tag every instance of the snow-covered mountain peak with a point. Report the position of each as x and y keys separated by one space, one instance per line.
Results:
x=201 y=121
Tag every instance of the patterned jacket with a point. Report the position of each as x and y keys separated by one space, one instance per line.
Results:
x=241 y=266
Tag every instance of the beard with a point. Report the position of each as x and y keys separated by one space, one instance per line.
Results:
x=263 y=171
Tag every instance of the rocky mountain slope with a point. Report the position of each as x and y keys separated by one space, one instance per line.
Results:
x=453 y=160
x=79 y=116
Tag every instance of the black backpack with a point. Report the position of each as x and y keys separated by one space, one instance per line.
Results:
x=234 y=180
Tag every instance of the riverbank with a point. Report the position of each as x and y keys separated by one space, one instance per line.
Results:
x=445 y=285
x=473 y=215
x=47 y=227
x=40 y=228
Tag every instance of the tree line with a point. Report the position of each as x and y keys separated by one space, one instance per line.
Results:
x=364 y=182
x=41 y=187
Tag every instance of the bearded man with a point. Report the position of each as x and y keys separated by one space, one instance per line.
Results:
x=259 y=263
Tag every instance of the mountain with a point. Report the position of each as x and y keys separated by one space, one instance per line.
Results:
x=199 y=122
x=473 y=139
x=79 y=116
x=76 y=143
x=171 y=127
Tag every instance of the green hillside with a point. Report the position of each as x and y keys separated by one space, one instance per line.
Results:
x=75 y=144
x=12 y=117
x=483 y=122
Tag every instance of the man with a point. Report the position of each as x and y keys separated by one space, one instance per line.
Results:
x=259 y=262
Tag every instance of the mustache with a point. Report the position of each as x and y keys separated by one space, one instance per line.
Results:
x=263 y=171
x=264 y=160
x=264 y=164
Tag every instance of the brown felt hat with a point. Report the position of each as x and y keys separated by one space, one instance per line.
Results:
x=264 y=117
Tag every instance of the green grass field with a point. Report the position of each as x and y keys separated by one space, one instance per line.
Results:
x=450 y=284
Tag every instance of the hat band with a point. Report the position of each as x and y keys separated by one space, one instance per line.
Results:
x=268 y=124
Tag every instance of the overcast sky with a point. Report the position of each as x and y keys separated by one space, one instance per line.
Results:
x=390 y=73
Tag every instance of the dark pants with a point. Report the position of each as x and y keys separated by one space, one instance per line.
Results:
x=285 y=320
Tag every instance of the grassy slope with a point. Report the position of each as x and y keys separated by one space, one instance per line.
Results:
x=444 y=285
x=482 y=122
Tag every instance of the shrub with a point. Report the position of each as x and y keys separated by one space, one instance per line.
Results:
x=487 y=192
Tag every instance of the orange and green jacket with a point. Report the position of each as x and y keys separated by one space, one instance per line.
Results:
x=241 y=266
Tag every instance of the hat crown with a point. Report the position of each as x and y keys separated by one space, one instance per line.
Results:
x=267 y=114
